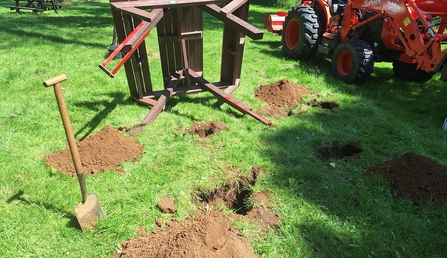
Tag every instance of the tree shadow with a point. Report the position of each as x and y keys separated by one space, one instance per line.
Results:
x=72 y=220
x=109 y=106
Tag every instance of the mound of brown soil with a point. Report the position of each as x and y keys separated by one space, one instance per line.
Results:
x=100 y=152
x=415 y=177
x=281 y=96
x=206 y=234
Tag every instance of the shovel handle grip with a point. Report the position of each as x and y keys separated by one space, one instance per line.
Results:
x=55 y=80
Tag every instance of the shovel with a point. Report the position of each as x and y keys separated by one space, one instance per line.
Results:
x=89 y=211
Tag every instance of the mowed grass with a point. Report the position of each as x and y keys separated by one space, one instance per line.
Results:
x=328 y=212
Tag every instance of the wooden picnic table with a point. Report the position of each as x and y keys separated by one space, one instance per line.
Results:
x=179 y=26
x=36 y=5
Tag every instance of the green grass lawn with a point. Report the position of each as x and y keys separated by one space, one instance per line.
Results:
x=328 y=212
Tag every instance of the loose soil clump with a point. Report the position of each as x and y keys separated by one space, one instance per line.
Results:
x=100 y=152
x=281 y=96
x=416 y=178
x=206 y=129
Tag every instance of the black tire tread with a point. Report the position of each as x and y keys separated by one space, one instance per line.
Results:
x=309 y=39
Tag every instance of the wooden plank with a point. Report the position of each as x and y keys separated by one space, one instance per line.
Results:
x=163 y=46
x=121 y=24
x=137 y=37
x=232 y=49
x=184 y=35
x=222 y=96
x=153 y=16
x=170 y=52
x=13 y=7
x=193 y=22
x=234 y=21
x=155 y=110
x=180 y=90
x=232 y=6
x=164 y=3
x=146 y=72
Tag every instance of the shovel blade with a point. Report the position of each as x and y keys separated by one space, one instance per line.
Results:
x=88 y=213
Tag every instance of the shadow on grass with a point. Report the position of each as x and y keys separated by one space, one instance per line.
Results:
x=355 y=213
x=72 y=223
x=48 y=28
x=109 y=106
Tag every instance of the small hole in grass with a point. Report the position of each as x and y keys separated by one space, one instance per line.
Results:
x=338 y=151
x=330 y=105
x=235 y=195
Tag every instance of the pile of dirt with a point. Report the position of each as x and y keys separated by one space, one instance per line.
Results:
x=415 y=177
x=281 y=96
x=205 y=234
x=100 y=152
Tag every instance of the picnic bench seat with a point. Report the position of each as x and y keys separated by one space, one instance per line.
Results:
x=36 y=5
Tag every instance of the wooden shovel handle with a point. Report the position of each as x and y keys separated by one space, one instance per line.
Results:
x=55 y=81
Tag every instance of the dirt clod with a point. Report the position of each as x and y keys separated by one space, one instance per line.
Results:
x=100 y=152
x=159 y=222
x=166 y=205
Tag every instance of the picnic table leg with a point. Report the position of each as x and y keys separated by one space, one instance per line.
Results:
x=42 y=4
x=17 y=4
x=54 y=6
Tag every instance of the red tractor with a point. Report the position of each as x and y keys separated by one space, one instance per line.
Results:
x=357 y=33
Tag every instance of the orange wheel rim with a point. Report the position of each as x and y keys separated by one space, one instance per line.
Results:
x=344 y=63
x=292 y=34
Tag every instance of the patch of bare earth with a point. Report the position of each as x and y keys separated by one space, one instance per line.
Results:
x=206 y=129
x=204 y=234
x=281 y=97
x=413 y=176
x=416 y=178
x=328 y=105
x=207 y=232
x=100 y=152
x=237 y=195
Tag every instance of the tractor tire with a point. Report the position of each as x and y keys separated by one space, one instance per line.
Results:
x=300 y=36
x=409 y=72
x=353 y=61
